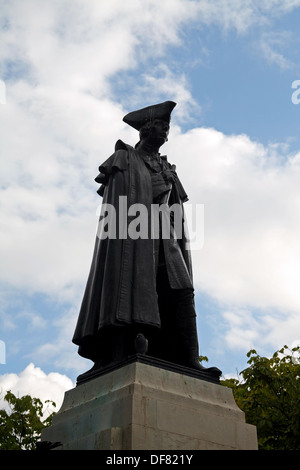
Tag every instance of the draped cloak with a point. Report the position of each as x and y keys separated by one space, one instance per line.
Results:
x=121 y=286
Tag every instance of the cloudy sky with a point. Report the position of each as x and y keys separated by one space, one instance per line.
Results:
x=70 y=70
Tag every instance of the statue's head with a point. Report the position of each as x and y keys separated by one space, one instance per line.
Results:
x=156 y=131
x=152 y=122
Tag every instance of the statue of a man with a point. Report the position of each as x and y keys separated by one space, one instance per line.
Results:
x=139 y=292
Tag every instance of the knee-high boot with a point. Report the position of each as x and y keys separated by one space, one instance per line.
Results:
x=188 y=342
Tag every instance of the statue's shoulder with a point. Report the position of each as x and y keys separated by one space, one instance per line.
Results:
x=120 y=145
x=118 y=160
x=125 y=153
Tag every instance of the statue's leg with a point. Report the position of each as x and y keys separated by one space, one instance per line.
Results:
x=165 y=346
x=186 y=332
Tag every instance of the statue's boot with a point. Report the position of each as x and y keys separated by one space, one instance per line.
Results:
x=189 y=350
x=112 y=352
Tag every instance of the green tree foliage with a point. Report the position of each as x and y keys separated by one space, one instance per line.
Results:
x=21 y=427
x=269 y=394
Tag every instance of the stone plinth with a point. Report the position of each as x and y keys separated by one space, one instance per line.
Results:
x=141 y=407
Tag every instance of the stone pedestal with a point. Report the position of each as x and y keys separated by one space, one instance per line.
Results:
x=141 y=407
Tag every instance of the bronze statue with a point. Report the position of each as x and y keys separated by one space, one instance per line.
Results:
x=139 y=296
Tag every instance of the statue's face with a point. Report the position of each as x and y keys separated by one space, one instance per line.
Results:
x=155 y=132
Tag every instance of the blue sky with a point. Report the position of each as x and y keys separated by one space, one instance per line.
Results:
x=71 y=71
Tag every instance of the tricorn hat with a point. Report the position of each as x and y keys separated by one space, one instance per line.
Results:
x=138 y=119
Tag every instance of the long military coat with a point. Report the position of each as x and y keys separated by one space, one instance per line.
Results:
x=121 y=286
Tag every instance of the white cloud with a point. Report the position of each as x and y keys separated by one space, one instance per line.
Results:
x=243 y=14
x=272 y=44
x=59 y=350
x=36 y=322
x=84 y=42
x=162 y=82
x=34 y=382
x=244 y=329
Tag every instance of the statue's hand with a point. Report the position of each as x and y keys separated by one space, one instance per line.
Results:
x=170 y=176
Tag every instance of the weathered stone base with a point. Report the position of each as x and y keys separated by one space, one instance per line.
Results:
x=141 y=407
